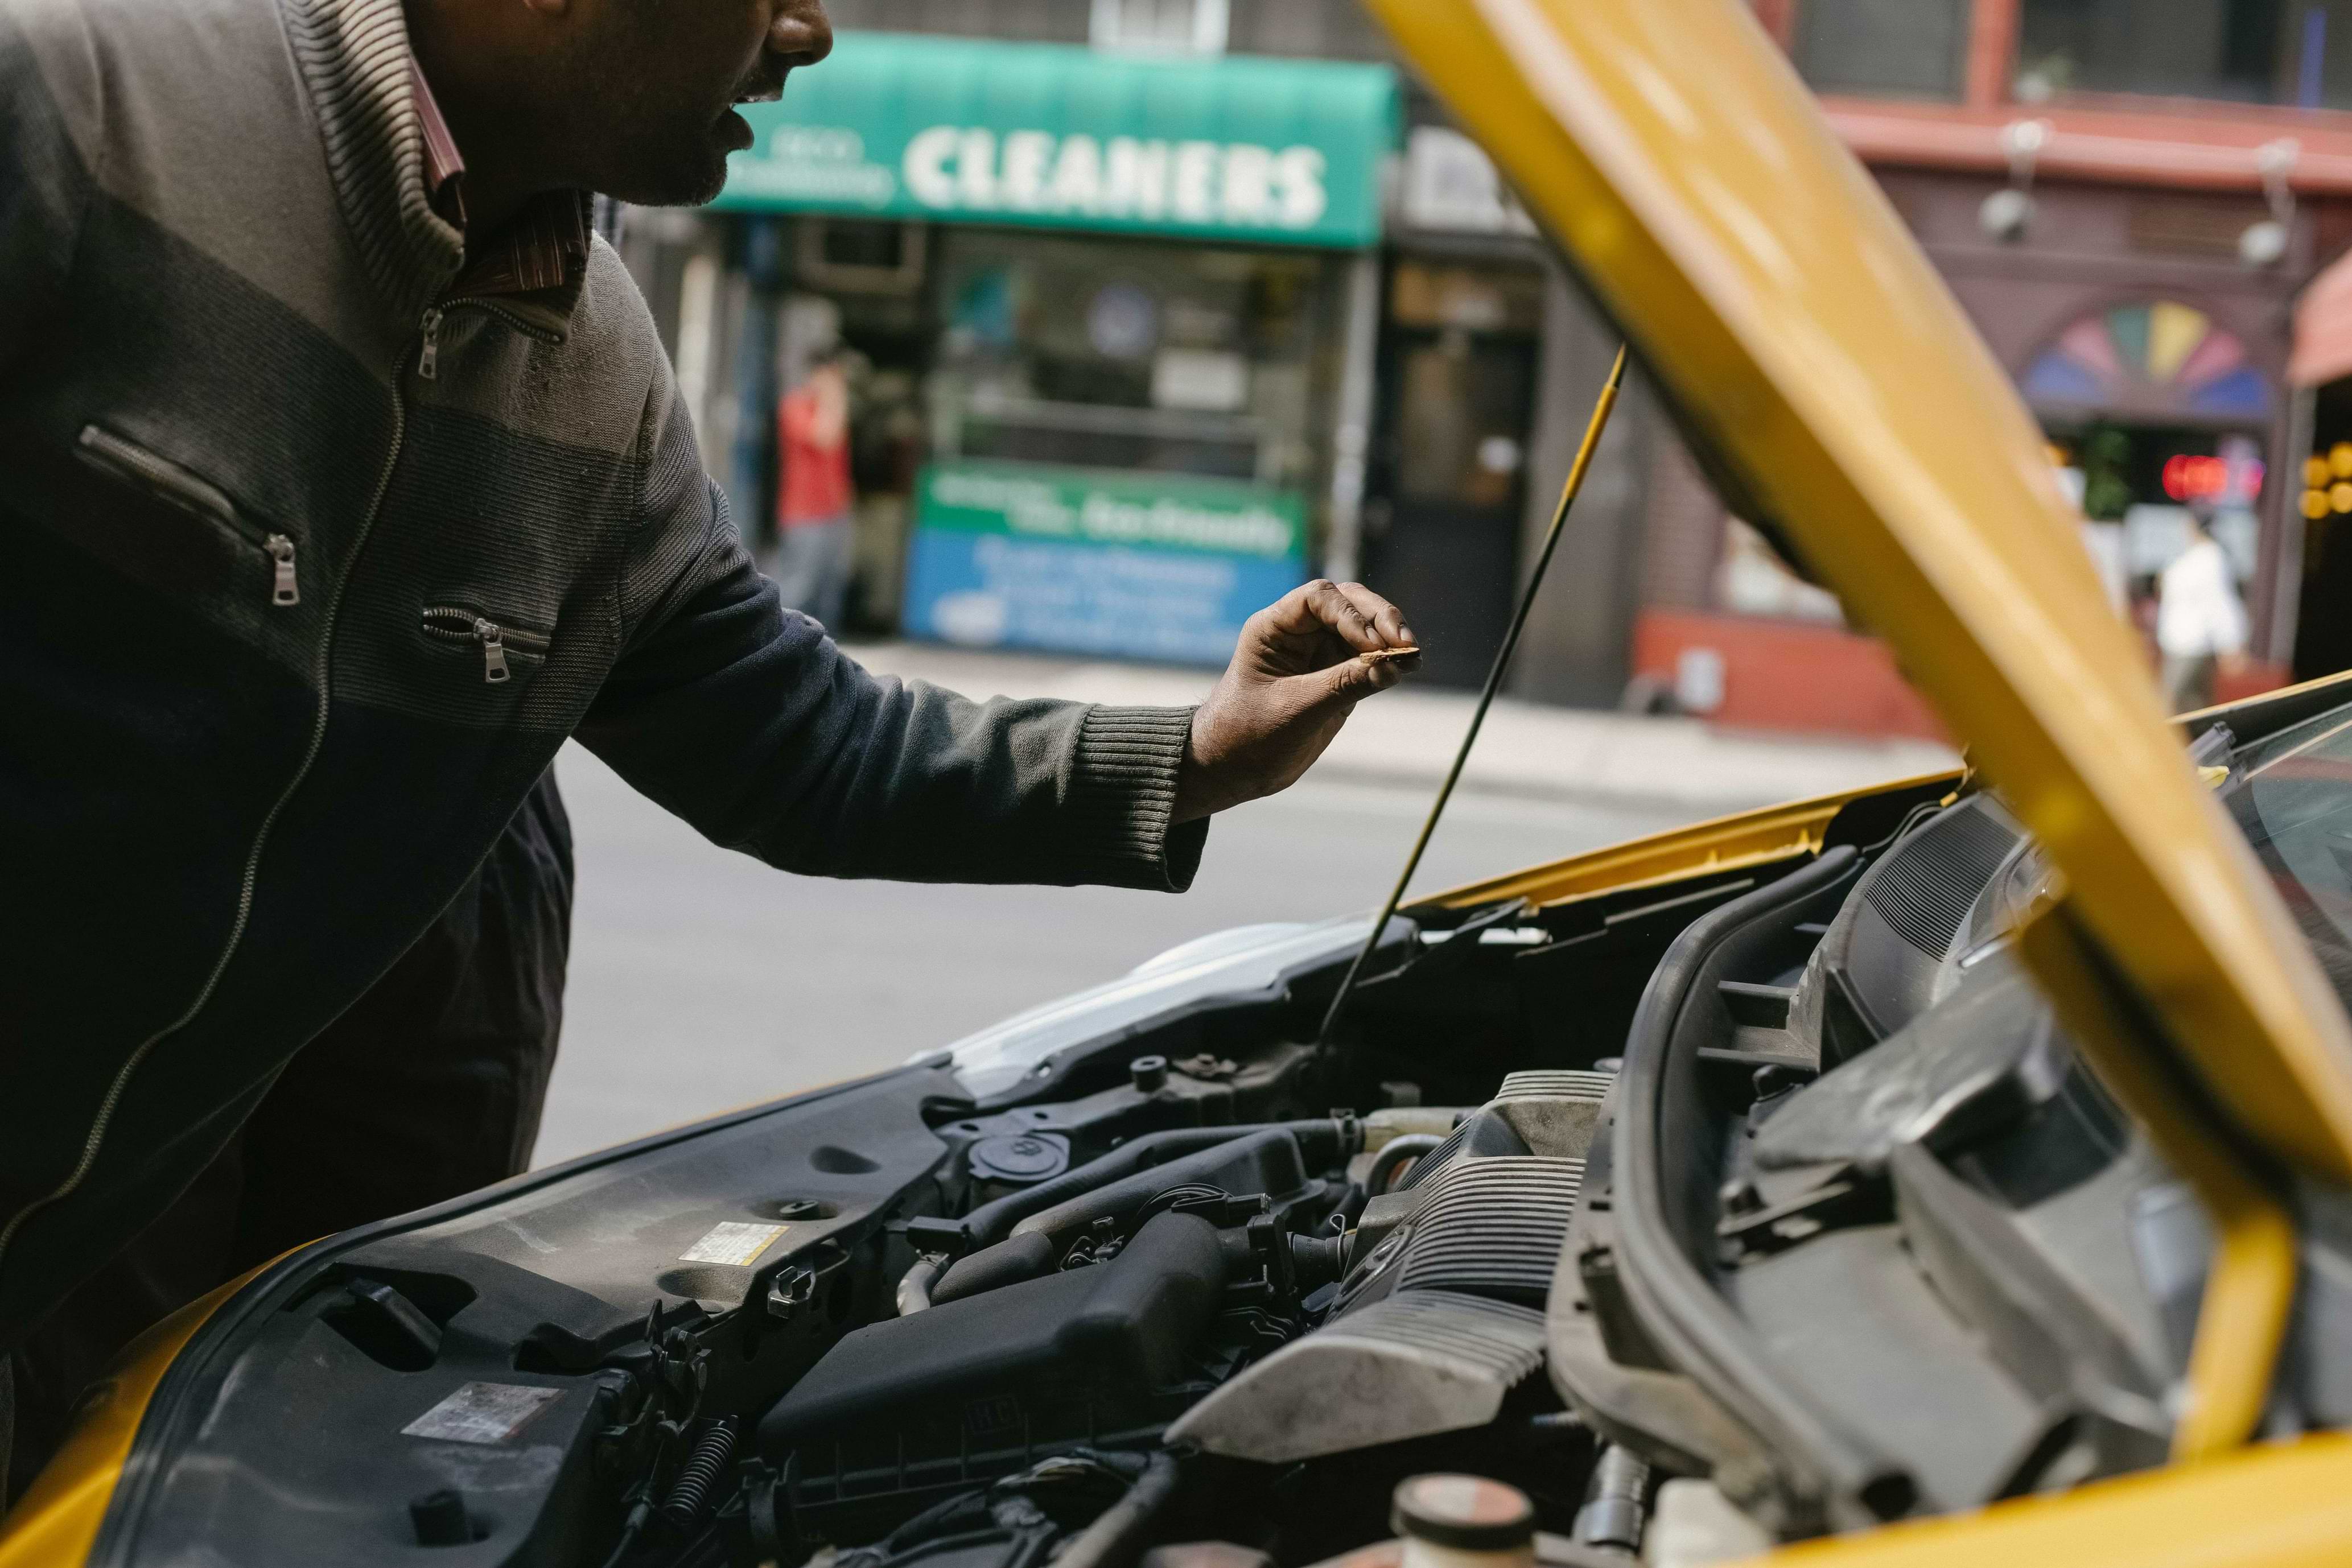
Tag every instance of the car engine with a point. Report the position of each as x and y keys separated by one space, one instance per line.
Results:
x=1766 y=1201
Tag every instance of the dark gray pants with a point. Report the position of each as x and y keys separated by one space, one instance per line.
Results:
x=428 y=1087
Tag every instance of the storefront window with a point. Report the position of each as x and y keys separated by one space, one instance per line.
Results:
x=2141 y=488
x=1194 y=26
x=1906 y=48
x=2295 y=52
x=1111 y=354
x=1463 y=369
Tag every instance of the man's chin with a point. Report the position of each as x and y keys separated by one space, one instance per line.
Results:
x=687 y=180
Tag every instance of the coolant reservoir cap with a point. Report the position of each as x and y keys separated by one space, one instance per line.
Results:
x=1465 y=1513
x=1019 y=1157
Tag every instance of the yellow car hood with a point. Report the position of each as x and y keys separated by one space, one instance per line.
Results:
x=1772 y=293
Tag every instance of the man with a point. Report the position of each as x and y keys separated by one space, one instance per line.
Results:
x=814 y=524
x=346 y=480
x=2201 y=623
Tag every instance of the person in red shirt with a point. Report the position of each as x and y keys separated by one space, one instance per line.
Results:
x=813 y=504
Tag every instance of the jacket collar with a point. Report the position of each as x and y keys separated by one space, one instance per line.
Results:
x=355 y=61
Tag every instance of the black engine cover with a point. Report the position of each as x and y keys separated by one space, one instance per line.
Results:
x=1124 y=1325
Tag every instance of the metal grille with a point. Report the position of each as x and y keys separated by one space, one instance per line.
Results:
x=1925 y=888
x=1493 y=1227
x=1555 y=1084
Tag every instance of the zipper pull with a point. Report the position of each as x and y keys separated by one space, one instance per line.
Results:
x=494 y=652
x=428 y=360
x=283 y=589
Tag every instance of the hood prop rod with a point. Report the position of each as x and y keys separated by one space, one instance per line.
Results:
x=1601 y=409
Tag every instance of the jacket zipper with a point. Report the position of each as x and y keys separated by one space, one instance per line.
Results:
x=283 y=588
x=182 y=489
x=321 y=670
x=429 y=356
x=448 y=621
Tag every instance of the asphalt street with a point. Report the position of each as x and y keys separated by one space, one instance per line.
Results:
x=702 y=980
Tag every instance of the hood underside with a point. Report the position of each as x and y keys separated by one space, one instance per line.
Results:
x=1810 y=349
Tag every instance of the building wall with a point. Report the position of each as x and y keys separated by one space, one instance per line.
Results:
x=1578 y=644
x=1023 y=21
x=1324 y=29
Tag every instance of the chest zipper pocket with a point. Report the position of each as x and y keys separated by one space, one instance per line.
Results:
x=168 y=482
x=501 y=644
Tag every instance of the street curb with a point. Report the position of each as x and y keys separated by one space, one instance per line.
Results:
x=1406 y=740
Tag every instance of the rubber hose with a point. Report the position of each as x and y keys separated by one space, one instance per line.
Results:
x=992 y=1222
x=1611 y=1514
x=1113 y=1539
x=1121 y=1198
x=1322 y=1140
x=1394 y=1154
x=915 y=1284
x=1009 y=1262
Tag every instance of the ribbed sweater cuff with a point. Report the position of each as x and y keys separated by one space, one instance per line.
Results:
x=1123 y=794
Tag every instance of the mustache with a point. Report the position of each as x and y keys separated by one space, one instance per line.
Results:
x=764 y=86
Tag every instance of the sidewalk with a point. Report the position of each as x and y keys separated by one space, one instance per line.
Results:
x=1407 y=737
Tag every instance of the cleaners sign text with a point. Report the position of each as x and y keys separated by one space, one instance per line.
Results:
x=972 y=130
x=1208 y=183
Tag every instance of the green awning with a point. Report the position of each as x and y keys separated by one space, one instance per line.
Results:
x=903 y=125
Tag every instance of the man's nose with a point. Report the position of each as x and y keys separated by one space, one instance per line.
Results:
x=800 y=34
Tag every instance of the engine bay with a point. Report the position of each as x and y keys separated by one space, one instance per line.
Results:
x=1764 y=1202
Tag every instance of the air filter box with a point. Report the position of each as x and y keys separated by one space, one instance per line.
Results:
x=1127 y=1323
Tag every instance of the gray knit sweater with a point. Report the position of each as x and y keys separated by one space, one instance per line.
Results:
x=287 y=629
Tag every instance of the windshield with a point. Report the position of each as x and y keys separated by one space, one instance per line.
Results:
x=2291 y=795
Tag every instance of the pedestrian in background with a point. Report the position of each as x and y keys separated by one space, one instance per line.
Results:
x=2201 y=623
x=814 y=504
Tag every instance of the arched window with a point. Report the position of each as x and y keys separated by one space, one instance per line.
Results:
x=2148 y=360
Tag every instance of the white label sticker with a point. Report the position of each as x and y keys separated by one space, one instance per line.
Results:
x=734 y=1241
x=482 y=1413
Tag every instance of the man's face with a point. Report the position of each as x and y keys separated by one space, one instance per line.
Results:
x=664 y=79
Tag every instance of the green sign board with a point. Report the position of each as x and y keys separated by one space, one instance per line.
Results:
x=967 y=130
x=1081 y=505
x=1134 y=565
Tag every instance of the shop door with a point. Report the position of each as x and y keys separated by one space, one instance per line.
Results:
x=1448 y=490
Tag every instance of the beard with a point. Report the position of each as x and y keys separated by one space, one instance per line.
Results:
x=679 y=166
x=655 y=137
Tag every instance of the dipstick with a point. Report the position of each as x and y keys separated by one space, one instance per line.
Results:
x=1599 y=423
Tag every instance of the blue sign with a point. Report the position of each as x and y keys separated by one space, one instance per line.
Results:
x=1123 y=565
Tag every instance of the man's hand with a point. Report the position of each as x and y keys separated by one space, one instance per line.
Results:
x=1294 y=677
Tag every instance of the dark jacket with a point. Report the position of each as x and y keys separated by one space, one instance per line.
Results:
x=426 y=1088
x=288 y=628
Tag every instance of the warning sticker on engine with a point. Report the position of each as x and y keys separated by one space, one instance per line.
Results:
x=482 y=1413
x=736 y=1241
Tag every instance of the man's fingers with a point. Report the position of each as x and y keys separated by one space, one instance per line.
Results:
x=1352 y=611
x=1385 y=619
x=1333 y=608
x=1352 y=680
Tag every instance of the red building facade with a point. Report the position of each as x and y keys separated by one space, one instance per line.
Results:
x=2129 y=197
